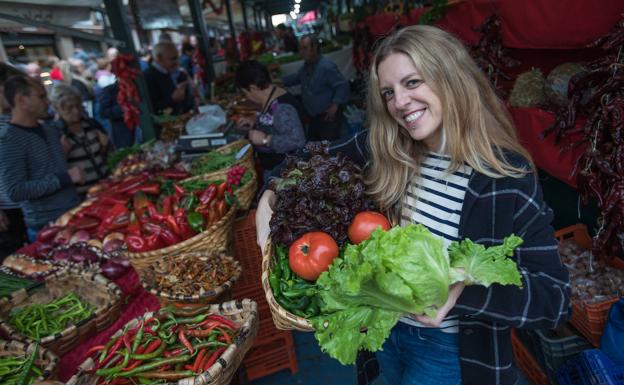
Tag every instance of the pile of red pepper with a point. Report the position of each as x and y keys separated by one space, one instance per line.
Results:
x=128 y=96
x=600 y=170
x=163 y=347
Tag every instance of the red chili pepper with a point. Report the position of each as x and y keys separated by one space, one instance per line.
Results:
x=113 y=199
x=152 y=242
x=227 y=337
x=94 y=349
x=134 y=228
x=111 y=353
x=173 y=225
x=179 y=190
x=173 y=173
x=130 y=184
x=121 y=222
x=168 y=237
x=148 y=188
x=201 y=332
x=224 y=321
x=213 y=358
x=198 y=360
x=208 y=194
x=47 y=233
x=221 y=190
x=151 y=228
x=136 y=244
x=221 y=209
x=153 y=213
x=166 y=205
x=132 y=365
x=185 y=341
x=84 y=223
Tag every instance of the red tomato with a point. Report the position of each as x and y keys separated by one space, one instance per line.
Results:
x=364 y=224
x=312 y=254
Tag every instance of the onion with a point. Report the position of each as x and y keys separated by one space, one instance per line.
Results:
x=112 y=270
x=79 y=236
x=95 y=243
x=60 y=255
x=112 y=245
x=43 y=249
x=112 y=236
x=63 y=236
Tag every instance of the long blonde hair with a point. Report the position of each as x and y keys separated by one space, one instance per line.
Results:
x=476 y=129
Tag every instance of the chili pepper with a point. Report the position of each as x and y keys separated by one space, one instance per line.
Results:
x=112 y=352
x=47 y=233
x=274 y=283
x=200 y=357
x=151 y=228
x=85 y=223
x=155 y=349
x=221 y=209
x=223 y=321
x=113 y=199
x=221 y=190
x=115 y=369
x=208 y=194
x=166 y=205
x=173 y=173
x=147 y=188
x=185 y=228
x=225 y=335
x=154 y=214
x=153 y=365
x=132 y=365
x=173 y=225
x=189 y=202
x=95 y=349
x=137 y=338
x=196 y=221
x=136 y=244
x=179 y=190
x=185 y=341
x=131 y=183
x=122 y=221
x=168 y=237
x=202 y=332
x=167 y=375
x=213 y=358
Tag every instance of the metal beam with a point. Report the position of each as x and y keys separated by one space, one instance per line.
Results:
x=199 y=24
x=62 y=30
x=228 y=8
x=244 y=9
x=121 y=30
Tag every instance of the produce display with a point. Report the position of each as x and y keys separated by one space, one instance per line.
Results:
x=190 y=275
x=10 y=284
x=164 y=348
x=112 y=265
x=16 y=370
x=213 y=161
x=591 y=279
x=41 y=320
x=26 y=266
x=150 y=155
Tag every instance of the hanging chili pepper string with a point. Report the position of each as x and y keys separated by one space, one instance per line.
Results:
x=128 y=95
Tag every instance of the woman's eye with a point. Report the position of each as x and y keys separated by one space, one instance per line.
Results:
x=413 y=82
x=387 y=95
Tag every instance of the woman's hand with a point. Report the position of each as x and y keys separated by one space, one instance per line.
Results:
x=66 y=144
x=264 y=212
x=454 y=293
x=103 y=138
x=245 y=124
x=258 y=138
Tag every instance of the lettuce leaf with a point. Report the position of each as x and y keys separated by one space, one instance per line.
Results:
x=403 y=270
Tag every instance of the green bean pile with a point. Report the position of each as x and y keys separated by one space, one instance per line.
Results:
x=212 y=161
x=19 y=370
x=40 y=320
x=10 y=284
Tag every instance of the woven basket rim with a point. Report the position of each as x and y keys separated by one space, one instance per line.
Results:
x=219 y=370
x=113 y=291
x=282 y=318
x=43 y=354
x=215 y=292
x=173 y=249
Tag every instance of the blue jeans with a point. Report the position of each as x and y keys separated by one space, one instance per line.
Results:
x=31 y=233
x=420 y=356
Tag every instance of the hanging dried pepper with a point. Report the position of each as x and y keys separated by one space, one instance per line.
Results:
x=126 y=70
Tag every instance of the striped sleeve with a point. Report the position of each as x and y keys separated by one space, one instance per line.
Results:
x=14 y=174
x=543 y=301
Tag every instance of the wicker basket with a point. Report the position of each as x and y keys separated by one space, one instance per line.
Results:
x=244 y=312
x=64 y=219
x=283 y=319
x=89 y=287
x=217 y=237
x=244 y=195
x=45 y=359
x=190 y=301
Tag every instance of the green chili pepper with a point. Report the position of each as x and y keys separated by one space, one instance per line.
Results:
x=153 y=365
x=28 y=366
x=156 y=353
x=275 y=284
x=196 y=221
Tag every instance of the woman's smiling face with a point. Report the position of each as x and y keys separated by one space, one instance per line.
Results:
x=410 y=101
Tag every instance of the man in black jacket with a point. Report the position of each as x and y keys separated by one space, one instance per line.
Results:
x=168 y=85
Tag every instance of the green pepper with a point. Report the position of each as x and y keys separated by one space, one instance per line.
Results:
x=294 y=304
x=196 y=221
x=189 y=202
x=286 y=272
x=275 y=284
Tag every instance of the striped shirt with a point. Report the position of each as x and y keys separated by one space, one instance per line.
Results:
x=434 y=199
x=87 y=153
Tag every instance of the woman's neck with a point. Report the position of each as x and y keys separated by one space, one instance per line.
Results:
x=75 y=128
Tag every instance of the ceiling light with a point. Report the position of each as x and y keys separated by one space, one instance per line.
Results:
x=293 y=15
x=297 y=6
x=297 y=10
x=297 y=1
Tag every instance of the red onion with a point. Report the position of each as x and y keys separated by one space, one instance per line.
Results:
x=112 y=245
x=112 y=270
x=60 y=255
x=63 y=236
x=79 y=236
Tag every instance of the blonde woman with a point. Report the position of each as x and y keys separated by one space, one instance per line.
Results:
x=441 y=151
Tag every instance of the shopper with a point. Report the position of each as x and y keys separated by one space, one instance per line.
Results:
x=443 y=152
x=168 y=86
x=121 y=135
x=323 y=90
x=83 y=139
x=33 y=169
x=277 y=130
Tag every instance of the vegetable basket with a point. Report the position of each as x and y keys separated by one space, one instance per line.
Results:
x=243 y=313
x=152 y=275
x=64 y=219
x=245 y=194
x=246 y=160
x=217 y=237
x=283 y=319
x=90 y=288
x=44 y=360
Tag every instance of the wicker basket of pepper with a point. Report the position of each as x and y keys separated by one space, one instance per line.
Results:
x=242 y=180
x=191 y=279
x=283 y=319
x=200 y=348
x=71 y=306
x=25 y=363
x=216 y=237
x=64 y=219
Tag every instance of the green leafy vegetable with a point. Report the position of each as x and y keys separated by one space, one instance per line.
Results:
x=404 y=270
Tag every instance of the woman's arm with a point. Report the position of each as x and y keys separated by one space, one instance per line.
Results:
x=288 y=133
